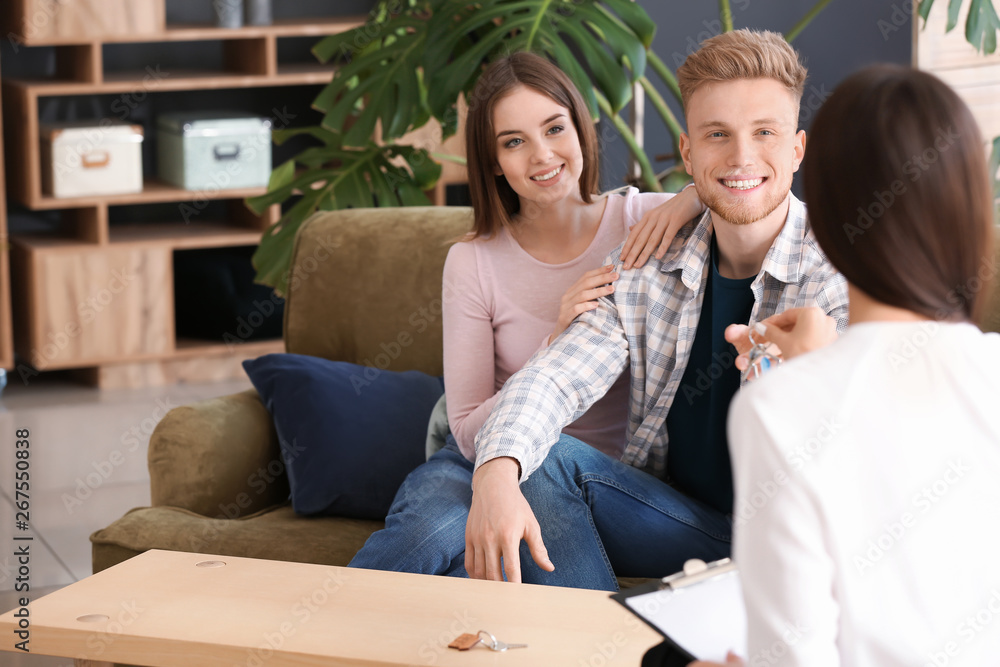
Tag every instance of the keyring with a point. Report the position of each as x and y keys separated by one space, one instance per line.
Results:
x=761 y=360
x=493 y=640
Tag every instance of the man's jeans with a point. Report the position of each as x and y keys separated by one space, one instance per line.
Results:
x=425 y=530
x=598 y=517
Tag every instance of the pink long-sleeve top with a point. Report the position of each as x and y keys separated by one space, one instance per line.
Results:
x=500 y=305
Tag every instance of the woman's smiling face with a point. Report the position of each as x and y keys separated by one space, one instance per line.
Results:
x=537 y=147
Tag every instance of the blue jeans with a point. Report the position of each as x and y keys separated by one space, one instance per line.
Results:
x=425 y=530
x=601 y=518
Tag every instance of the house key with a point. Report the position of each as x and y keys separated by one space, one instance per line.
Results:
x=495 y=644
x=760 y=358
x=466 y=641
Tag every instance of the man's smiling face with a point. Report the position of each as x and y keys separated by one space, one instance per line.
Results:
x=741 y=147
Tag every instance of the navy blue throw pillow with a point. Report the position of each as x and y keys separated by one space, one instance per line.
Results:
x=349 y=434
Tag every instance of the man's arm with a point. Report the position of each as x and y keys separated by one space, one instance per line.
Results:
x=555 y=387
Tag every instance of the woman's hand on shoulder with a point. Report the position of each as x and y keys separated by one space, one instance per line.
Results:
x=656 y=231
x=583 y=295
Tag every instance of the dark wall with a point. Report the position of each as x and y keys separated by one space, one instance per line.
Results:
x=845 y=36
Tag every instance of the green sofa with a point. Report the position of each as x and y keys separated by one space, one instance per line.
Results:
x=358 y=277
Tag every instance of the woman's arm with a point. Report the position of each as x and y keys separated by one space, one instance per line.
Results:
x=469 y=344
x=469 y=354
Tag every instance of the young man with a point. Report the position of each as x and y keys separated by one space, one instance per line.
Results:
x=751 y=255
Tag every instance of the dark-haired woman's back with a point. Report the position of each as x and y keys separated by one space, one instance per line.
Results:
x=880 y=543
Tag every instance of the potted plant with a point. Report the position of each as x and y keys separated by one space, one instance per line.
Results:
x=414 y=59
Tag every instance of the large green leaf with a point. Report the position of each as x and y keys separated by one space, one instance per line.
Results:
x=981 y=24
x=334 y=177
x=381 y=81
x=605 y=40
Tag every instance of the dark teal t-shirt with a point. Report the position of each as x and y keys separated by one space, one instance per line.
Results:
x=698 y=452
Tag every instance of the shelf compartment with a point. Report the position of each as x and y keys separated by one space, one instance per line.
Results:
x=298 y=74
x=319 y=27
x=153 y=191
x=93 y=304
x=200 y=235
x=216 y=299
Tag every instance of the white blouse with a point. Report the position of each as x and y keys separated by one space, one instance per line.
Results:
x=867 y=513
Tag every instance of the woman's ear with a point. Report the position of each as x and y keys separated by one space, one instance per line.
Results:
x=497 y=170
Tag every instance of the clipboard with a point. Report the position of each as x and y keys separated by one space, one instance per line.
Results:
x=699 y=610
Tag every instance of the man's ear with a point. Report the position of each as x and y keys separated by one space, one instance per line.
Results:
x=799 y=149
x=685 y=147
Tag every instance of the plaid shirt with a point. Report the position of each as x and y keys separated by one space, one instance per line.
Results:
x=648 y=324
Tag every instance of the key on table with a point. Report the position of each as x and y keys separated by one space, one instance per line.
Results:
x=497 y=645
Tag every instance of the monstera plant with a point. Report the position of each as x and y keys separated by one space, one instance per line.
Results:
x=412 y=61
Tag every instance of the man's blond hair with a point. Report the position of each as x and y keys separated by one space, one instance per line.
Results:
x=742 y=54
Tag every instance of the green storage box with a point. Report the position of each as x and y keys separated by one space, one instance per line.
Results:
x=214 y=150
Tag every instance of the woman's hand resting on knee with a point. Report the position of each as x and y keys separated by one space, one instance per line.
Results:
x=499 y=519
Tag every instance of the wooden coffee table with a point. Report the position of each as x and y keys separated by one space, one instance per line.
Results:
x=172 y=608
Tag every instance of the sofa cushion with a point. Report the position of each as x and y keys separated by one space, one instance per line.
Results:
x=276 y=533
x=349 y=434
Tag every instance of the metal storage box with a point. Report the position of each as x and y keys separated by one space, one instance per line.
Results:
x=214 y=150
x=91 y=158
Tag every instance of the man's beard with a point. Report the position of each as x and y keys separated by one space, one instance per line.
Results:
x=744 y=213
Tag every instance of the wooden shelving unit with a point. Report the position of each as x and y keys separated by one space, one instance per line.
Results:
x=61 y=319
x=6 y=330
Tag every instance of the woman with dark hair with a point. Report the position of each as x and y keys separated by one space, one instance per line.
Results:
x=515 y=283
x=868 y=472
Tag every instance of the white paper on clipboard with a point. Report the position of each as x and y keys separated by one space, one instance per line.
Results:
x=706 y=619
